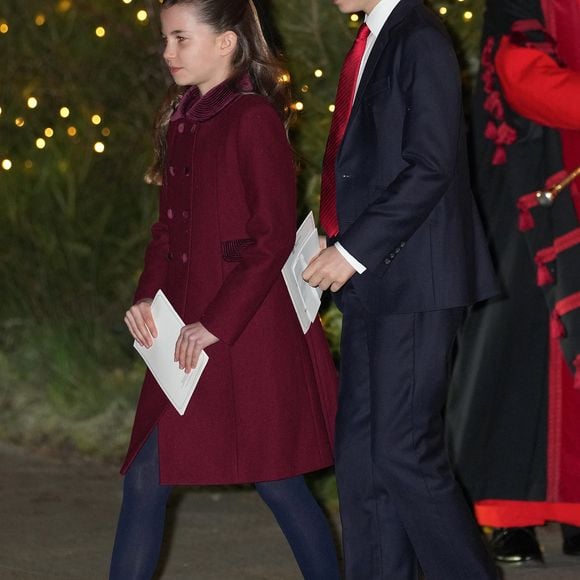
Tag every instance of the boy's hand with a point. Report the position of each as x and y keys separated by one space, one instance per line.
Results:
x=328 y=270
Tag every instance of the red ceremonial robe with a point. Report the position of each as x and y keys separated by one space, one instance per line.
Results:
x=541 y=89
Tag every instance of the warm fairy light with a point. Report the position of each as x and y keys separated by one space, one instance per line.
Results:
x=64 y=6
x=467 y=15
x=96 y=119
x=49 y=132
x=127 y=1
x=284 y=78
x=299 y=106
x=40 y=143
x=305 y=88
x=331 y=108
x=99 y=147
x=318 y=73
x=354 y=17
x=443 y=10
x=142 y=15
x=106 y=132
x=32 y=102
x=100 y=31
x=71 y=131
x=4 y=28
x=19 y=122
x=40 y=19
x=64 y=112
x=6 y=164
x=0 y=110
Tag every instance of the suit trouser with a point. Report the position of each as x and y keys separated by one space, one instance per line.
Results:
x=399 y=501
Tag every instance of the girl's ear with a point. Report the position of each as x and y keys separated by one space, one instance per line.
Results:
x=228 y=42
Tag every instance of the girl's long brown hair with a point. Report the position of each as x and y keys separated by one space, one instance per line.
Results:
x=253 y=55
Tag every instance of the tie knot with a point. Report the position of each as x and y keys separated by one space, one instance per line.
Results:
x=363 y=33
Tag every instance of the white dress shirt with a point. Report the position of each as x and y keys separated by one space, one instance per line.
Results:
x=375 y=20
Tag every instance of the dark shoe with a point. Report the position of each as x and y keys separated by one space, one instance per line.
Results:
x=515 y=546
x=571 y=546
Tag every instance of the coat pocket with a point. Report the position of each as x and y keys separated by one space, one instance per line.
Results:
x=232 y=249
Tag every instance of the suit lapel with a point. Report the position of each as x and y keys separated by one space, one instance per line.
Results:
x=395 y=18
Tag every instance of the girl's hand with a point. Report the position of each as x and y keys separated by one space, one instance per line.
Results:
x=192 y=340
x=139 y=320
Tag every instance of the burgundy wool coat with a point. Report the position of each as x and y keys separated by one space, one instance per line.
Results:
x=265 y=406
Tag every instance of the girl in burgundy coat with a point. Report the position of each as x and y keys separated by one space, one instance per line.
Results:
x=263 y=411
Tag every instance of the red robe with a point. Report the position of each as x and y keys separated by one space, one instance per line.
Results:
x=539 y=88
x=264 y=408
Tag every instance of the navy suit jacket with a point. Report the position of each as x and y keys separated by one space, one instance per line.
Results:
x=404 y=201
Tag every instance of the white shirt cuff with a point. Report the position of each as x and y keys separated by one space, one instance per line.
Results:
x=350 y=259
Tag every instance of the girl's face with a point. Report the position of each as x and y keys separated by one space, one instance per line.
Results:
x=194 y=52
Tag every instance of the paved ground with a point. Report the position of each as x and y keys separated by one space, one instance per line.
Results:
x=57 y=522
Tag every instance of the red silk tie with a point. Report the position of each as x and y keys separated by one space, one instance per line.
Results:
x=343 y=106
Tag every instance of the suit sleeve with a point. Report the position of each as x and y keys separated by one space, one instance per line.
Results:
x=155 y=267
x=537 y=87
x=269 y=180
x=431 y=135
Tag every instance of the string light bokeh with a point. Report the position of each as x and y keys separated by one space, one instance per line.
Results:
x=34 y=106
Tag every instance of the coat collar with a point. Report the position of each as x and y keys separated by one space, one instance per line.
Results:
x=196 y=107
x=399 y=13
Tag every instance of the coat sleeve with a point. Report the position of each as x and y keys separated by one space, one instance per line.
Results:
x=537 y=87
x=431 y=135
x=268 y=175
x=156 y=255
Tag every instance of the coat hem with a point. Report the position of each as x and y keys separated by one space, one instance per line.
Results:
x=247 y=479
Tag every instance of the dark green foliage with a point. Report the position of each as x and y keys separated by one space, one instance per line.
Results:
x=74 y=223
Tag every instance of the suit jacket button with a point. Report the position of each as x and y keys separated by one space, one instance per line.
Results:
x=345 y=176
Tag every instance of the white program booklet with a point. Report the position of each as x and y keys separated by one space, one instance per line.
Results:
x=306 y=300
x=177 y=385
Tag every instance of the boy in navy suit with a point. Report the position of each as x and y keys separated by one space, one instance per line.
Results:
x=406 y=255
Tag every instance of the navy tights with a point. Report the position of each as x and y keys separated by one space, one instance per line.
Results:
x=141 y=522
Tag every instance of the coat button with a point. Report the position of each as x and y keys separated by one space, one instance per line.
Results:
x=185 y=214
x=181 y=127
x=392 y=256
x=402 y=244
x=345 y=176
x=172 y=171
x=397 y=250
x=184 y=258
x=170 y=213
x=388 y=261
